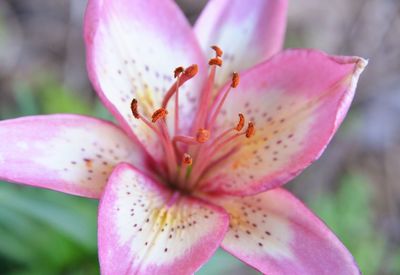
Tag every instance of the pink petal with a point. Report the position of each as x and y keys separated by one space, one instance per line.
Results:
x=275 y=233
x=248 y=33
x=133 y=48
x=297 y=100
x=68 y=153
x=146 y=228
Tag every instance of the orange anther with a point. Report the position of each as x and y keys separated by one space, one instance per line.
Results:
x=187 y=159
x=218 y=51
x=178 y=71
x=160 y=113
x=235 y=80
x=251 y=130
x=191 y=71
x=240 y=124
x=202 y=135
x=215 y=61
x=134 y=106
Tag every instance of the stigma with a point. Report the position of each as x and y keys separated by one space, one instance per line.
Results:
x=187 y=157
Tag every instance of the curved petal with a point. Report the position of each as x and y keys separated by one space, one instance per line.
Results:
x=132 y=49
x=248 y=33
x=68 y=153
x=275 y=233
x=145 y=228
x=297 y=100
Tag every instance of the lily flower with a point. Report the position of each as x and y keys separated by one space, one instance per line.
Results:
x=206 y=138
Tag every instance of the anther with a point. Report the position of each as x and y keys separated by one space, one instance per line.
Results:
x=187 y=74
x=235 y=80
x=218 y=51
x=178 y=71
x=202 y=135
x=215 y=61
x=160 y=113
x=251 y=130
x=187 y=159
x=191 y=71
x=240 y=124
x=134 y=106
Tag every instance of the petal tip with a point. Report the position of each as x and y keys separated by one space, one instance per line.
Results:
x=361 y=64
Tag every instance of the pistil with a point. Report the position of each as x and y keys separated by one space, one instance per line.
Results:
x=187 y=161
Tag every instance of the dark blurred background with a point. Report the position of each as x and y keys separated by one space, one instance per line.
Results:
x=354 y=187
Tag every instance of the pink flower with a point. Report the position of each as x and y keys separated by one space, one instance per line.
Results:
x=174 y=186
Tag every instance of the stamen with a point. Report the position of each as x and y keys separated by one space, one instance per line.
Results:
x=169 y=148
x=187 y=74
x=206 y=96
x=160 y=113
x=178 y=71
x=238 y=128
x=170 y=157
x=218 y=51
x=234 y=84
x=251 y=130
x=134 y=106
x=135 y=112
x=240 y=124
x=215 y=61
x=235 y=80
x=180 y=166
x=202 y=135
x=191 y=71
x=216 y=146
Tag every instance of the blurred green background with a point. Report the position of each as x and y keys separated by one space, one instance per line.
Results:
x=354 y=187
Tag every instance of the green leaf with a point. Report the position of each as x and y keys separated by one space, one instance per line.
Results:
x=350 y=215
x=54 y=98
x=224 y=263
x=46 y=231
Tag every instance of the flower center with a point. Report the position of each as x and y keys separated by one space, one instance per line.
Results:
x=188 y=158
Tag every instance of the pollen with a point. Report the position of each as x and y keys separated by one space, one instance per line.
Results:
x=251 y=130
x=178 y=71
x=187 y=159
x=235 y=80
x=160 y=113
x=134 y=106
x=202 y=135
x=218 y=51
x=191 y=71
x=240 y=124
x=215 y=61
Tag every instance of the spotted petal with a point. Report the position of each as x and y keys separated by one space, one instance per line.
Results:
x=249 y=33
x=145 y=228
x=276 y=234
x=68 y=153
x=133 y=47
x=297 y=100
